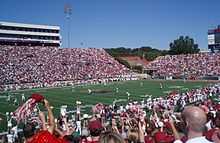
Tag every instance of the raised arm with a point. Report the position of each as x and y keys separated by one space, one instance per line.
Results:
x=43 y=120
x=51 y=117
x=141 y=133
x=175 y=132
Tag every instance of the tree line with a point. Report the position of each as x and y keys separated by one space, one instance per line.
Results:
x=182 y=45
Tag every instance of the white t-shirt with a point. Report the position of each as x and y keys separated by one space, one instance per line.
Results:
x=10 y=138
x=198 y=140
x=195 y=140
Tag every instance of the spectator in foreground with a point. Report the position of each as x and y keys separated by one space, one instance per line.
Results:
x=161 y=136
x=110 y=137
x=195 y=120
x=215 y=126
x=95 y=129
x=216 y=136
x=45 y=135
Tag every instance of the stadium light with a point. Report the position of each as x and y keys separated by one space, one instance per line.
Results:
x=68 y=13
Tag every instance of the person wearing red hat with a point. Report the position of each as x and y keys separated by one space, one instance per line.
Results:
x=95 y=128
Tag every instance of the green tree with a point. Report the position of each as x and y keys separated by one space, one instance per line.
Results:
x=183 y=45
x=150 y=56
x=121 y=51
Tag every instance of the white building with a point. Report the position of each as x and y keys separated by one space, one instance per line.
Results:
x=29 y=34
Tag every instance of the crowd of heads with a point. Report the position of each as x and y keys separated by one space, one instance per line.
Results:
x=176 y=117
x=190 y=65
x=22 y=65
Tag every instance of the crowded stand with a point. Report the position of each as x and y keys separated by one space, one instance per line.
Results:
x=27 y=67
x=192 y=66
x=179 y=117
x=190 y=117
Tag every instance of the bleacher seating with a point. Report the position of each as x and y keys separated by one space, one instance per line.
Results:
x=192 y=65
x=25 y=64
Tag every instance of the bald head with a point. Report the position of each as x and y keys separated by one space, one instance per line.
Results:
x=195 y=118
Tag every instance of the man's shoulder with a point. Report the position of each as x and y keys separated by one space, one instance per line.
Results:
x=198 y=140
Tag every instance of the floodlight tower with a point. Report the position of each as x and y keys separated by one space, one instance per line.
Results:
x=68 y=12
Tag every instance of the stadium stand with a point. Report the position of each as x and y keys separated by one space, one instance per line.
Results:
x=193 y=66
x=32 y=66
x=169 y=118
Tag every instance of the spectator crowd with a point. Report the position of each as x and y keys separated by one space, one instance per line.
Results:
x=190 y=117
x=44 y=66
x=192 y=66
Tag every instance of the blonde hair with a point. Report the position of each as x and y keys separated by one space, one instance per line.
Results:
x=110 y=137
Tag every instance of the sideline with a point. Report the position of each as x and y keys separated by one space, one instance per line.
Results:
x=109 y=83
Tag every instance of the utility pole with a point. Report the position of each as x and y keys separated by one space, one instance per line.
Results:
x=68 y=12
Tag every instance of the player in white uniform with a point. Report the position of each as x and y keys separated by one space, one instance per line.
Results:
x=116 y=90
x=89 y=91
x=23 y=98
x=161 y=85
x=128 y=94
x=8 y=98
x=15 y=101
x=141 y=84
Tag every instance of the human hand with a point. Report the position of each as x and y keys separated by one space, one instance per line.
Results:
x=113 y=123
x=46 y=103
x=216 y=136
x=141 y=132
x=171 y=121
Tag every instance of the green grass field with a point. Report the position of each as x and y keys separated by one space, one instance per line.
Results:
x=104 y=94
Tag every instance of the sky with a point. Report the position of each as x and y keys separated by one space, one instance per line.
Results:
x=119 y=23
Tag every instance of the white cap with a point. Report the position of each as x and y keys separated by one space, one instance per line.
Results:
x=160 y=124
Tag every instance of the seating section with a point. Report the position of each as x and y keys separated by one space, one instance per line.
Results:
x=193 y=65
x=25 y=64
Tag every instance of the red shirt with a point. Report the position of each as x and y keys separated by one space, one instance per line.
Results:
x=209 y=134
x=163 y=137
x=46 y=137
x=148 y=139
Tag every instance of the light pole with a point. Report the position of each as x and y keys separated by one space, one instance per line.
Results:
x=68 y=12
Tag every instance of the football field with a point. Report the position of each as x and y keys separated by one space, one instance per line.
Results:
x=104 y=93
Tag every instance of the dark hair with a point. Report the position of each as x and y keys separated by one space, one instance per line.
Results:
x=95 y=132
x=210 y=116
x=217 y=119
x=29 y=130
x=71 y=138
